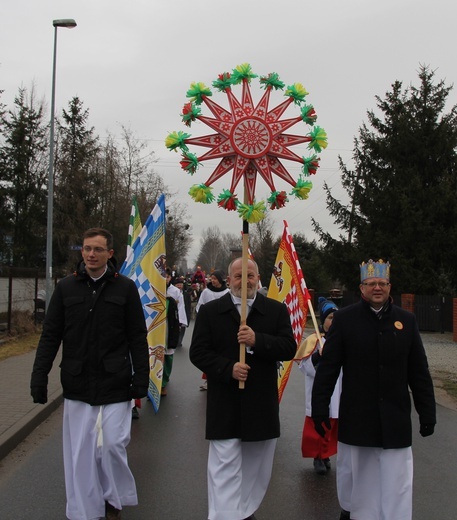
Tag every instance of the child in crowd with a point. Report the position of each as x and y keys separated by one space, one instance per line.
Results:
x=313 y=445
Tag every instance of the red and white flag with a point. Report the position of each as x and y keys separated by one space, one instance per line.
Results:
x=288 y=285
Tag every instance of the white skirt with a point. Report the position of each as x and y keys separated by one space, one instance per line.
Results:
x=238 y=477
x=374 y=483
x=95 y=439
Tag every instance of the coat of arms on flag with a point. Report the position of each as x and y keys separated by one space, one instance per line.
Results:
x=288 y=285
x=145 y=265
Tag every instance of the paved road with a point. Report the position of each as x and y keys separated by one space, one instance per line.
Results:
x=168 y=457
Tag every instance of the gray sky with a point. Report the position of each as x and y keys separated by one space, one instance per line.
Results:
x=132 y=63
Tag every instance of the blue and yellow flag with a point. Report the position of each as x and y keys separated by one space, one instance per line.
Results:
x=145 y=265
x=288 y=285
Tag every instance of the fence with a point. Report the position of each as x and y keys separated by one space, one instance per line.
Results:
x=433 y=313
x=20 y=289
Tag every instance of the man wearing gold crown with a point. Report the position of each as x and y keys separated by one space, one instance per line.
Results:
x=379 y=348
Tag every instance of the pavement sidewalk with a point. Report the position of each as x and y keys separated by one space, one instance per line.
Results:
x=18 y=415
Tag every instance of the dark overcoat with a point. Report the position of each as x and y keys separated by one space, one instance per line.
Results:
x=102 y=329
x=382 y=361
x=252 y=413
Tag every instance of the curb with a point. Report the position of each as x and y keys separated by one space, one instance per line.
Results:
x=24 y=427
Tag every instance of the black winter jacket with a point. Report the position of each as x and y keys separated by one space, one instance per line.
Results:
x=382 y=360
x=252 y=413
x=102 y=330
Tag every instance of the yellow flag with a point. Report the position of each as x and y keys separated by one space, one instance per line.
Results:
x=145 y=265
x=288 y=285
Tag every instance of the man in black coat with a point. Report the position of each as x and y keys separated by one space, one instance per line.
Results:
x=379 y=348
x=242 y=425
x=97 y=315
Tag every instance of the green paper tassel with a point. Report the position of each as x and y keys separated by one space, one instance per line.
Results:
x=296 y=91
x=277 y=199
x=241 y=72
x=201 y=193
x=252 y=213
x=189 y=162
x=310 y=165
x=272 y=81
x=319 y=139
x=197 y=91
x=223 y=82
x=176 y=140
x=227 y=200
x=190 y=112
x=308 y=114
x=302 y=188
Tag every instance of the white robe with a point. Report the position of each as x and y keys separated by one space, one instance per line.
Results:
x=95 y=439
x=374 y=483
x=238 y=477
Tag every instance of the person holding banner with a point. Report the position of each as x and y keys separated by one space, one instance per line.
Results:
x=313 y=445
x=242 y=424
x=379 y=348
x=96 y=314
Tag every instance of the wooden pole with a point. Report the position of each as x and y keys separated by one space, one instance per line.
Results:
x=316 y=327
x=244 y=289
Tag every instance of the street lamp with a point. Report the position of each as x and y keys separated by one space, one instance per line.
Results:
x=69 y=24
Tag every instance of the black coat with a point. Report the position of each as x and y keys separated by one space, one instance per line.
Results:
x=252 y=413
x=382 y=360
x=103 y=333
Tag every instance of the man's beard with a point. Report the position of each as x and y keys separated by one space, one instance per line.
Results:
x=252 y=291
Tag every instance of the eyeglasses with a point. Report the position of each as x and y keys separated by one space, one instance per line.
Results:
x=96 y=250
x=372 y=285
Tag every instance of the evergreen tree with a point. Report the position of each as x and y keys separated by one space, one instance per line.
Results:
x=310 y=258
x=23 y=174
x=79 y=179
x=402 y=192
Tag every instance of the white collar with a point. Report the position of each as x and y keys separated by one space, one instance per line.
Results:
x=237 y=301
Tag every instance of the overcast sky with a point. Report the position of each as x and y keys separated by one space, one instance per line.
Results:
x=131 y=63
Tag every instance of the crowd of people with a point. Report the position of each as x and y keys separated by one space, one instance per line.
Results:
x=360 y=366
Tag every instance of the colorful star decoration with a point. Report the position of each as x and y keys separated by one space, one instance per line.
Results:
x=249 y=140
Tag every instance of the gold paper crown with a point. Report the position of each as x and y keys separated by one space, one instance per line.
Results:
x=372 y=269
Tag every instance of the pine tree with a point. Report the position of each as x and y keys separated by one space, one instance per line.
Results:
x=78 y=181
x=23 y=173
x=402 y=192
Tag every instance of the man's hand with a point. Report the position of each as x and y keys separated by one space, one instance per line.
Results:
x=138 y=392
x=319 y=422
x=39 y=394
x=426 y=429
x=246 y=336
x=240 y=371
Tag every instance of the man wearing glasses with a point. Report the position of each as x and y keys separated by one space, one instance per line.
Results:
x=379 y=348
x=97 y=315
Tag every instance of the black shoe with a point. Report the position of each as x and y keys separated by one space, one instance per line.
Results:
x=345 y=515
x=135 y=413
x=111 y=513
x=327 y=463
x=319 y=467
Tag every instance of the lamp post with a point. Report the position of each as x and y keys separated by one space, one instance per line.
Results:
x=69 y=24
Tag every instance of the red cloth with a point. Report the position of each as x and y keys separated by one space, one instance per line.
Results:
x=313 y=445
x=138 y=403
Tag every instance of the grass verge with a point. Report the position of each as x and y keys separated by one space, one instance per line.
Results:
x=18 y=345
